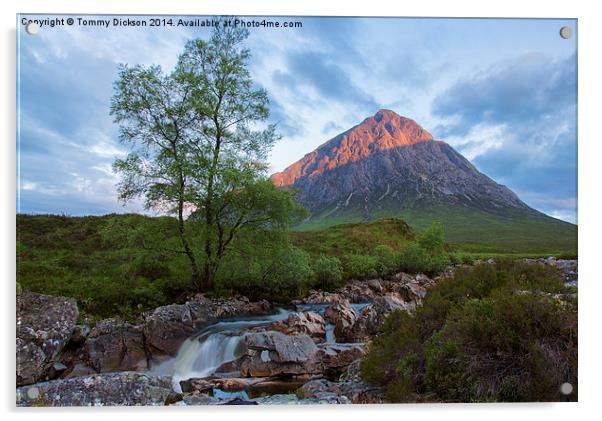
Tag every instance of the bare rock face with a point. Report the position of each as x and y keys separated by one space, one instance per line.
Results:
x=273 y=354
x=114 y=345
x=109 y=389
x=307 y=323
x=44 y=326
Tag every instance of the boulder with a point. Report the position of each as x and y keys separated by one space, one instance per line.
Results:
x=387 y=304
x=109 y=389
x=343 y=316
x=336 y=357
x=44 y=326
x=167 y=327
x=196 y=386
x=357 y=292
x=273 y=353
x=375 y=285
x=114 y=345
x=56 y=370
x=349 y=325
x=317 y=387
x=352 y=386
x=307 y=323
x=290 y=399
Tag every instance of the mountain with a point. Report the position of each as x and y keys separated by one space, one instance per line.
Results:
x=389 y=166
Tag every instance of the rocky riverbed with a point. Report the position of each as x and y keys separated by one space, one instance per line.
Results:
x=211 y=351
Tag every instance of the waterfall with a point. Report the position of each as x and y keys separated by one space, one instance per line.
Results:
x=202 y=354
x=199 y=357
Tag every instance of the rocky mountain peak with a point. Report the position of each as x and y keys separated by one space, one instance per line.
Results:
x=387 y=165
x=384 y=130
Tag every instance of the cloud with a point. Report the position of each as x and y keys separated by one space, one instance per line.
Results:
x=516 y=121
x=531 y=86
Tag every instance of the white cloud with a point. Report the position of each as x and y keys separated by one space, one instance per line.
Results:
x=481 y=139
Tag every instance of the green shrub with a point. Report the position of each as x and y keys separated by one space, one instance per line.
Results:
x=327 y=272
x=414 y=259
x=361 y=267
x=387 y=261
x=432 y=240
x=489 y=333
x=511 y=348
x=279 y=273
x=428 y=254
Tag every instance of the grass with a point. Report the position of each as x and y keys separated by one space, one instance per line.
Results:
x=85 y=258
x=511 y=233
x=358 y=238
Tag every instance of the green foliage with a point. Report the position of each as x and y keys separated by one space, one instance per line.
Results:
x=277 y=272
x=327 y=273
x=361 y=238
x=428 y=254
x=432 y=240
x=387 y=261
x=489 y=333
x=361 y=267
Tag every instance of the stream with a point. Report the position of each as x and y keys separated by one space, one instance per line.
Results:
x=204 y=352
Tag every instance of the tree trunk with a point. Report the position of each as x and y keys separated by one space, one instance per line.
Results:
x=195 y=278
x=208 y=277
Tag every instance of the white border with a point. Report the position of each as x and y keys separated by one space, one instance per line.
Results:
x=590 y=176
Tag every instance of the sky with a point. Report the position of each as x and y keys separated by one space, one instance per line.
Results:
x=503 y=92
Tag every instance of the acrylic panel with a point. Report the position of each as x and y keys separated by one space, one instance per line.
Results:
x=295 y=210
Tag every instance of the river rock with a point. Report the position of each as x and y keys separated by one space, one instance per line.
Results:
x=80 y=334
x=114 y=345
x=320 y=297
x=356 y=389
x=357 y=291
x=56 y=370
x=343 y=316
x=318 y=386
x=387 y=304
x=167 y=327
x=375 y=285
x=339 y=356
x=109 y=389
x=44 y=326
x=273 y=353
x=307 y=323
x=196 y=386
x=290 y=399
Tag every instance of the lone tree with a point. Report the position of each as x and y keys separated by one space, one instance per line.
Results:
x=199 y=141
